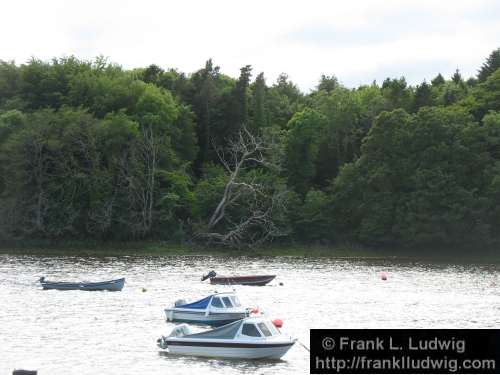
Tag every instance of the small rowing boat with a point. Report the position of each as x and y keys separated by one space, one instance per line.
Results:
x=254 y=280
x=249 y=338
x=111 y=285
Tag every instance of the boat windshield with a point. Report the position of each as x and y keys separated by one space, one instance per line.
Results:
x=216 y=302
x=236 y=301
x=227 y=302
x=273 y=329
x=264 y=329
x=250 y=330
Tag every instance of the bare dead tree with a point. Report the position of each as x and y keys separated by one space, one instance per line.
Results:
x=244 y=152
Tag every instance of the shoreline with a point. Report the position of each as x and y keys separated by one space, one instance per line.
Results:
x=159 y=248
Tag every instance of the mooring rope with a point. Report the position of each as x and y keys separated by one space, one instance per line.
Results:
x=305 y=347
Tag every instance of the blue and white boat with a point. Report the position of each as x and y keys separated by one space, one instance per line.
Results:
x=249 y=338
x=216 y=309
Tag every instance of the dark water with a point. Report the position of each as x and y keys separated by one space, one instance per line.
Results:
x=75 y=332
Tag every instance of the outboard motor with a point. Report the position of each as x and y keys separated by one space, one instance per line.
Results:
x=162 y=342
x=208 y=275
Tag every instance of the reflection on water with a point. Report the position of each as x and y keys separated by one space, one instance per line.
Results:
x=242 y=365
x=74 y=332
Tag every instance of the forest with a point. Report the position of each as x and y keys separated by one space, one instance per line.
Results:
x=90 y=150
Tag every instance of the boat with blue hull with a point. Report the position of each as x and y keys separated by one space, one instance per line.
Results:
x=111 y=285
x=216 y=309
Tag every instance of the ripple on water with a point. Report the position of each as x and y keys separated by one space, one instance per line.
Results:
x=115 y=333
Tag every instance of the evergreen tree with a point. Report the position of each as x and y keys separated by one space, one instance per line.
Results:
x=205 y=86
x=422 y=97
x=241 y=97
x=397 y=93
x=457 y=77
x=490 y=66
x=260 y=119
x=438 y=80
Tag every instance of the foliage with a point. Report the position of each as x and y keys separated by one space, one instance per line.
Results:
x=490 y=66
x=89 y=150
x=302 y=148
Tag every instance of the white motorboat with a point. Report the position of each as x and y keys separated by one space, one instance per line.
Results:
x=250 y=338
x=217 y=309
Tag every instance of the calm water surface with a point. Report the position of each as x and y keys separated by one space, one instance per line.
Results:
x=74 y=332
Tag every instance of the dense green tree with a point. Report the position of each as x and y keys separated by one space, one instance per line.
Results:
x=423 y=96
x=487 y=149
x=457 y=78
x=238 y=113
x=487 y=95
x=152 y=74
x=328 y=83
x=205 y=84
x=397 y=93
x=176 y=205
x=48 y=163
x=9 y=84
x=10 y=121
x=438 y=80
x=184 y=141
x=91 y=150
x=302 y=148
x=178 y=84
x=287 y=88
x=310 y=220
x=283 y=100
x=259 y=108
x=156 y=113
x=371 y=103
x=103 y=92
x=451 y=93
x=413 y=191
x=490 y=66
x=350 y=114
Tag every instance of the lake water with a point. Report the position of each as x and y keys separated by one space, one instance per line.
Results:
x=75 y=332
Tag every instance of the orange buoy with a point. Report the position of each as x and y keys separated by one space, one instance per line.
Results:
x=278 y=323
x=383 y=276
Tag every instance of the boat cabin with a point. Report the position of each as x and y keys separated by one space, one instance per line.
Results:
x=258 y=328
x=227 y=301
x=217 y=301
x=248 y=329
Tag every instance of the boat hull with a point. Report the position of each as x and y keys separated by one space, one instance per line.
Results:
x=112 y=285
x=259 y=280
x=196 y=317
x=229 y=350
